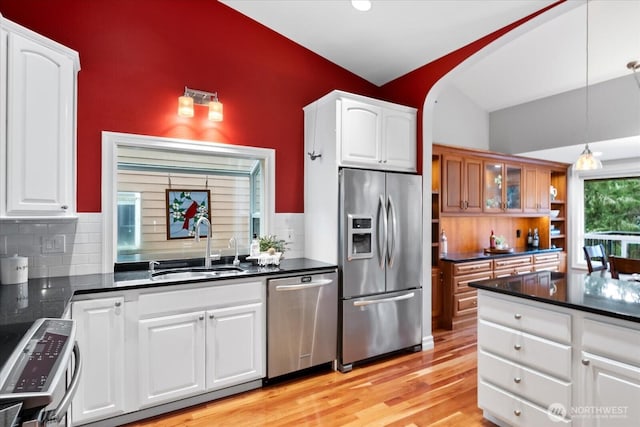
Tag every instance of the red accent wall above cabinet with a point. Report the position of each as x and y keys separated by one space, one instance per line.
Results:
x=137 y=56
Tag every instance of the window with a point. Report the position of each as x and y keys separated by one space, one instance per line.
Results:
x=129 y=221
x=612 y=215
x=137 y=172
x=596 y=199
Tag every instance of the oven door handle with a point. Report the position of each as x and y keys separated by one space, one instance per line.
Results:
x=61 y=410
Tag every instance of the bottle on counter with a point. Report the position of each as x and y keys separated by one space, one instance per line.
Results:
x=492 y=240
x=443 y=244
x=254 y=249
x=536 y=239
x=529 y=239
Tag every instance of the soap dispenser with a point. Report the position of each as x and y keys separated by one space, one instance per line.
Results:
x=254 y=250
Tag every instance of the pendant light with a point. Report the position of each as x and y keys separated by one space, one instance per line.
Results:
x=587 y=161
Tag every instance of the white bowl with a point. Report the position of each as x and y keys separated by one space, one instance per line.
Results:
x=554 y=213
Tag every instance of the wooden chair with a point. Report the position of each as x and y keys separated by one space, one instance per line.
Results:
x=596 y=253
x=621 y=265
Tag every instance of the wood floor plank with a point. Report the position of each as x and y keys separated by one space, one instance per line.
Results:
x=430 y=388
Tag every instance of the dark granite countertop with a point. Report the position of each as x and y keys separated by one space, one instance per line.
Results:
x=476 y=256
x=22 y=304
x=591 y=293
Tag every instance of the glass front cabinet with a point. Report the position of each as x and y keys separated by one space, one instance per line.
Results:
x=502 y=187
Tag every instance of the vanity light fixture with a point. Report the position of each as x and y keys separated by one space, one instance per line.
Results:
x=200 y=97
x=587 y=161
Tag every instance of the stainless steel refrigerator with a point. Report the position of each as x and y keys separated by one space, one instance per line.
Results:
x=380 y=259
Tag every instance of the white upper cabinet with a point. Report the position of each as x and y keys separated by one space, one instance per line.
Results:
x=38 y=104
x=356 y=131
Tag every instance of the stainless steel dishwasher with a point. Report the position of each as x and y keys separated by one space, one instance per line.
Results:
x=302 y=322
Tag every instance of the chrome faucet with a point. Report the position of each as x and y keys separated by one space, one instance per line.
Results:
x=236 y=261
x=207 y=254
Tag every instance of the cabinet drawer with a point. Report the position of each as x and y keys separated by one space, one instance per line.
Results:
x=461 y=283
x=526 y=349
x=543 y=322
x=513 y=410
x=503 y=263
x=465 y=303
x=513 y=271
x=546 y=258
x=554 y=266
x=528 y=383
x=617 y=342
x=471 y=267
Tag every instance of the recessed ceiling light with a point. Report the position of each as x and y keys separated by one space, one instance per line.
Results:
x=597 y=153
x=361 y=5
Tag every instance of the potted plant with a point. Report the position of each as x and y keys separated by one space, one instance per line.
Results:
x=272 y=244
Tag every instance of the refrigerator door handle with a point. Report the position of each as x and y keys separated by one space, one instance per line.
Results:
x=394 y=233
x=382 y=206
x=362 y=303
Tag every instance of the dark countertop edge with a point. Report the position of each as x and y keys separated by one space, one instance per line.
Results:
x=478 y=256
x=585 y=308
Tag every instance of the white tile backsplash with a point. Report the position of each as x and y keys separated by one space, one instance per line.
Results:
x=290 y=227
x=83 y=242
x=82 y=250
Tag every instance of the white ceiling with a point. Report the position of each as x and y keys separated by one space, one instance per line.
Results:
x=398 y=36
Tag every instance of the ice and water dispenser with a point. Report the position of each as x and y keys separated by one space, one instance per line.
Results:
x=359 y=236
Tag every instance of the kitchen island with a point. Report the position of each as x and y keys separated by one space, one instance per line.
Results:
x=145 y=340
x=559 y=349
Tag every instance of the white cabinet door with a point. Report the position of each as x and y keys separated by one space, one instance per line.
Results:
x=171 y=353
x=611 y=392
x=399 y=140
x=100 y=336
x=235 y=345
x=40 y=121
x=360 y=134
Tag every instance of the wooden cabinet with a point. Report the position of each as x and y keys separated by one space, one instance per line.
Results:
x=459 y=300
x=536 y=195
x=512 y=266
x=100 y=332
x=516 y=383
x=234 y=340
x=436 y=295
x=503 y=184
x=461 y=184
x=39 y=110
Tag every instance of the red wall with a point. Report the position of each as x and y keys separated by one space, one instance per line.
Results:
x=137 y=56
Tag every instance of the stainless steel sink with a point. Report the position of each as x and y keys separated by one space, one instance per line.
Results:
x=182 y=275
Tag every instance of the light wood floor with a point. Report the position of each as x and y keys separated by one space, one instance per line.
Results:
x=428 y=388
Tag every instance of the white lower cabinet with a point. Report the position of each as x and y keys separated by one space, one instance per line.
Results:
x=100 y=335
x=544 y=365
x=171 y=357
x=234 y=343
x=524 y=366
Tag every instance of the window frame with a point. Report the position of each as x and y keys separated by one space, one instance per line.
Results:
x=112 y=140
x=626 y=168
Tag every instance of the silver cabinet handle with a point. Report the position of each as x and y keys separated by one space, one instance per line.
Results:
x=518 y=316
x=362 y=303
x=118 y=304
x=517 y=412
x=211 y=316
x=201 y=317
x=517 y=347
x=517 y=380
x=64 y=207
x=585 y=362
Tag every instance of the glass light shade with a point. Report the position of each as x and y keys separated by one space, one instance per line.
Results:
x=361 y=5
x=587 y=161
x=185 y=106
x=215 y=111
